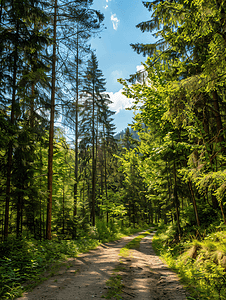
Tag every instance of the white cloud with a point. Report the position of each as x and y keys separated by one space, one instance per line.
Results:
x=107 y=1
x=143 y=74
x=119 y=101
x=140 y=68
x=115 y=21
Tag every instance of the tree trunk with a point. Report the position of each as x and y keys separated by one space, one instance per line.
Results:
x=176 y=200
x=105 y=172
x=63 y=209
x=76 y=140
x=222 y=212
x=218 y=118
x=194 y=203
x=10 y=149
x=18 y=219
x=51 y=131
x=93 y=160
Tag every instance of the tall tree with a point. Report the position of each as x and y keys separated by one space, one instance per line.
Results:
x=51 y=128
x=17 y=27
x=93 y=93
x=186 y=96
x=87 y=20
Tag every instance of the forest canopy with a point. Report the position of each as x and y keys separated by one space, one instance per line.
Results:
x=168 y=169
x=174 y=168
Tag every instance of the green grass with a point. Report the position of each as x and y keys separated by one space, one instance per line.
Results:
x=23 y=262
x=111 y=232
x=200 y=263
x=114 y=286
x=134 y=244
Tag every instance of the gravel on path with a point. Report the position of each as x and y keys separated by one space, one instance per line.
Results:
x=144 y=275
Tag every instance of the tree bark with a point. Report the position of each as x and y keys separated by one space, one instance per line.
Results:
x=176 y=200
x=93 y=159
x=218 y=118
x=194 y=203
x=105 y=171
x=51 y=131
x=10 y=149
x=76 y=139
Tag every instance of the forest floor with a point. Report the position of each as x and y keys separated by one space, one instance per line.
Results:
x=141 y=276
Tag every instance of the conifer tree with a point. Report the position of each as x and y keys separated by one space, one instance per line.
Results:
x=64 y=18
x=94 y=101
x=20 y=38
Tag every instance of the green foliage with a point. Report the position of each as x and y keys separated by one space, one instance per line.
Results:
x=113 y=231
x=200 y=263
x=107 y=232
x=24 y=261
x=115 y=287
x=179 y=103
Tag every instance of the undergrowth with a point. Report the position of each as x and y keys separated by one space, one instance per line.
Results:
x=23 y=262
x=113 y=231
x=199 y=259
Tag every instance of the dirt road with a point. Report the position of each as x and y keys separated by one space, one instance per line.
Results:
x=143 y=276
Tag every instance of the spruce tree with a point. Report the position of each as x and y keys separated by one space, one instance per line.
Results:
x=93 y=94
x=65 y=35
x=20 y=38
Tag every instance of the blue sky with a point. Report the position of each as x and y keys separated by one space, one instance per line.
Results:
x=114 y=53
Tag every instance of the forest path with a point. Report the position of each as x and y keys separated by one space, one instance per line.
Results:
x=144 y=275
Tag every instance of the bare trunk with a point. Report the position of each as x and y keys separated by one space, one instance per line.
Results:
x=222 y=212
x=93 y=161
x=194 y=203
x=76 y=141
x=18 y=219
x=32 y=105
x=8 y=181
x=10 y=149
x=105 y=171
x=218 y=118
x=51 y=132
x=176 y=200
x=63 y=208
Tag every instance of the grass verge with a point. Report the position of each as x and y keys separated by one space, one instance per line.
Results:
x=24 y=262
x=200 y=263
x=134 y=244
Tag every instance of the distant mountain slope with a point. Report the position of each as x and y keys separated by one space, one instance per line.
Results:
x=121 y=134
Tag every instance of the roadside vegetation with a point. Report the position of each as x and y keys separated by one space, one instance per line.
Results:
x=199 y=258
x=24 y=263
x=60 y=196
